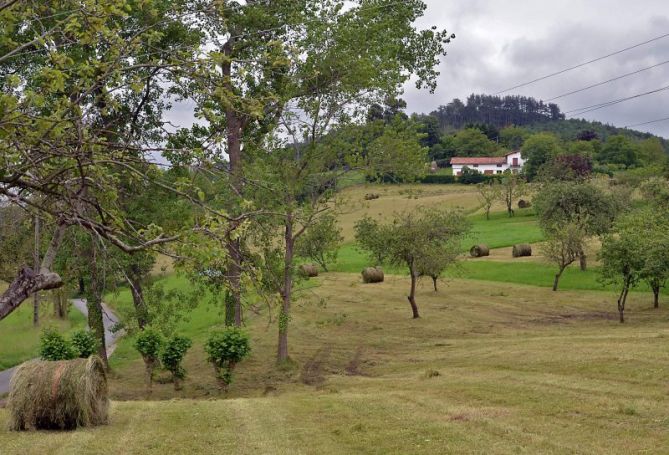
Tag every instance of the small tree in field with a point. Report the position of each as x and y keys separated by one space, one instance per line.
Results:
x=225 y=349
x=172 y=357
x=513 y=188
x=149 y=343
x=628 y=253
x=321 y=242
x=563 y=246
x=411 y=238
x=489 y=193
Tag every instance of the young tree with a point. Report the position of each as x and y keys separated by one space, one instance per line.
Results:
x=563 y=246
x=473 y=142
x=620 y=150
x=513 y=188
x=580 y=203
x=411 y=238
x=321 y=242
x=433 y=263
x=489 y=193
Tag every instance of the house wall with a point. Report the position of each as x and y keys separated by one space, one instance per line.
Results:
x=493 y=168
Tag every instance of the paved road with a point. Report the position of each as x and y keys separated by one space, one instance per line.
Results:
x=109 y=319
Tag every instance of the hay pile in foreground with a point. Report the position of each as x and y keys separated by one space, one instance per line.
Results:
x=61 y=395
x=372 y=275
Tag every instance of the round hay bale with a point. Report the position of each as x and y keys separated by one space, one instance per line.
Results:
x=371 y=196
x=372 y=275
x=478 y=251
x=522 y=250
x=309 y=270
x=62 y=395
x=523 y=204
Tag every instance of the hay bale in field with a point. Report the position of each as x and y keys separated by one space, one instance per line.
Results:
x=62 y=395
x=522 y=250
x=309 y=270
x=371 y=196
x=372 y=275
x=523 y=204
x=478 y=251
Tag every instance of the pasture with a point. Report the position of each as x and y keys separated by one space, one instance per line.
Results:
x=490 y=368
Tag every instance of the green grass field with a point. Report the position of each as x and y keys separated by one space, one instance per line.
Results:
x=489 y=368
x=21 y=338
x=498 y=363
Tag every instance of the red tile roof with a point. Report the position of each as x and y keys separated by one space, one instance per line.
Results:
x=478 y=160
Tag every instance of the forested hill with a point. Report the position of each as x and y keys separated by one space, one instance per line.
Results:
x=534 y=115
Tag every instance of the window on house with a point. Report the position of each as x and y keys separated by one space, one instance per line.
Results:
x=499 y=165
x=476 y=165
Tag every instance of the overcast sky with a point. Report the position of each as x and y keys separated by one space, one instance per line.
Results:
x=500 y=44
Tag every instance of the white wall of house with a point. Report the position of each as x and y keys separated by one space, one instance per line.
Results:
x=514 y=161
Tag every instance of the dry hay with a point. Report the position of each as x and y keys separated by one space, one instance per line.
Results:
x=372 y=275
x=309 y=270
x=478 y=251
x=62 y=395
x=371 y=196
x=522 y=250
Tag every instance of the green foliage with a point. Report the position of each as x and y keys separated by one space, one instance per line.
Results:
x=538 y=150
x=473 y=142
x=85 y=342
x=620 y=150
x=53 y=346
x=173 y=353
x=149 y=343
x=225 y=349
x=321 y=241
x=513 y=137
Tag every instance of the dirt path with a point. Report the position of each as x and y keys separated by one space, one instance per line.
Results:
x=109 y=319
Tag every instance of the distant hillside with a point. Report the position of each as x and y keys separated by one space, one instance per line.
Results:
x=527 y=112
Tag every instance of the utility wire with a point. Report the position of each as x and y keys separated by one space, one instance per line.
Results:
x=595 y=107
x=557 y=73
x=648 y=123
x=607 y=81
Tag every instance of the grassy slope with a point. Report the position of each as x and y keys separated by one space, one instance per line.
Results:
x=21 y=339
x=521 y=370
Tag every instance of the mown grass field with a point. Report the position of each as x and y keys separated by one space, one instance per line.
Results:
x=489 y=368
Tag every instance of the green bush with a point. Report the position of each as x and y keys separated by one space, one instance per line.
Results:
x=172 y=356
x=149 y=342
x=438 y=179
x=85 y=343
x=53 y=346
x=225 y=349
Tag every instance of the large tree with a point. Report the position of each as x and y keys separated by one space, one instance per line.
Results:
x=296 y=70
x=82 y=91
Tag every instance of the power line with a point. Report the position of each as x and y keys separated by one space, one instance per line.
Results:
x=596 y=107
x=607 y=81
x=648 y=123
x=557 y=73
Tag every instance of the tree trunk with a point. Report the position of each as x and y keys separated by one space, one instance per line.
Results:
x=94 y=305
x=233 y=127
x=412 y=294
x=434 y=282
x=149 y=366
x=82 y=286
x=556 y=282
x=59 y=303
x=229 y=309
x=36 y=265
x=583 y=260
x=656 y=295
x=286 y=292
x=135 y=281
x=623 y=299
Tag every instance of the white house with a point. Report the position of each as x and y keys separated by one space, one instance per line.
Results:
x=489 y=164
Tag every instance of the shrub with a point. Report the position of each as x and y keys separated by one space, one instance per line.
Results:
x=85 y=343
x=441 y=179
x=175 y=350
x=148 y=344
x=225 y=349
x=53 y=346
